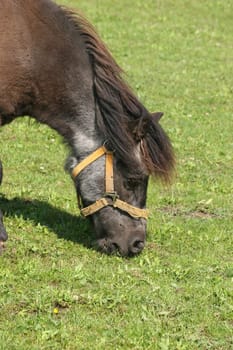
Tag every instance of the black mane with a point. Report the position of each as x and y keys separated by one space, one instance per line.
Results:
x=121 y=117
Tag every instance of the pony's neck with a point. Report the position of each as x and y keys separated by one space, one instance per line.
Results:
x=85 y=139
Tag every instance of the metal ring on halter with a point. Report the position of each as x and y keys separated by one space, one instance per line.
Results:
x=108 y=149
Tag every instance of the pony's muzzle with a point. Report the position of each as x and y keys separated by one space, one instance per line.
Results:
x=121 y=246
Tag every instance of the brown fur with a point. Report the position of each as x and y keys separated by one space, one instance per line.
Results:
x=33 y=82
x=55 y=68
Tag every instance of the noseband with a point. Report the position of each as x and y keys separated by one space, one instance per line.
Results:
x=110 y=197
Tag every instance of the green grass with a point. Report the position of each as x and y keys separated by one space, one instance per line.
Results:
x=55 y=292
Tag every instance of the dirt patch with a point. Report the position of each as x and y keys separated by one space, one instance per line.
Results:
x=197 y=213
x=201 y=214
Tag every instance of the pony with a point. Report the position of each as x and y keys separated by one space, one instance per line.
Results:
x=55 y=68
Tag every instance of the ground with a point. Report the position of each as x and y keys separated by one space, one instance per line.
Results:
x=57 y=293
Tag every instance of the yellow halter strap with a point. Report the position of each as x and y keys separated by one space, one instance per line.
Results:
x=111 y=197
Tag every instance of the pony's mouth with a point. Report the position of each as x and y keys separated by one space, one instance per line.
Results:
x=111 y=247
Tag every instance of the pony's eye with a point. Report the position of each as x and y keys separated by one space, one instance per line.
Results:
x=131 y=183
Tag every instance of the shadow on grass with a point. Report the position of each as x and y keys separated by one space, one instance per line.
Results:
x=64 y=225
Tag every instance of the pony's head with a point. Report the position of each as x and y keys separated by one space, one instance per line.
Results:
x=112 y=187
x=139 y=147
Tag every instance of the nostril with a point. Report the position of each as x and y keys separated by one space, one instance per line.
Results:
x=114 y=248
x=136 y=246
x=107 y=246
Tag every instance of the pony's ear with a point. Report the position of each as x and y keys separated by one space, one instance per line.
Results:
x=139 y=128
x=157 y=116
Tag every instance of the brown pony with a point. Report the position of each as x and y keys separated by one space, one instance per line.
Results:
x=55 y=68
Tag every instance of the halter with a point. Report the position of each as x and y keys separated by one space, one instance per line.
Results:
x=110 y=197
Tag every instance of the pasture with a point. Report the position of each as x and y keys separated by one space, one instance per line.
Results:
x=55 y=291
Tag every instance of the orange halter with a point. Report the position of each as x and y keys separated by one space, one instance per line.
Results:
x=111 y=197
